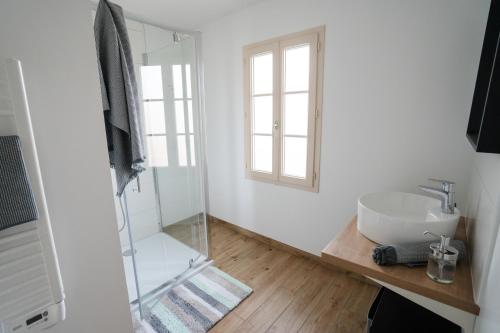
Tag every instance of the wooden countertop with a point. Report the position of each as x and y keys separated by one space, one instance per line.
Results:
x=353 y=252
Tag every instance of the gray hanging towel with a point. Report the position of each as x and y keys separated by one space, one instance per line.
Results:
x=120 y=99
x=17 y=202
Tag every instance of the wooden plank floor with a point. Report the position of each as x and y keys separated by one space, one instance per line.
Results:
x=291 y=293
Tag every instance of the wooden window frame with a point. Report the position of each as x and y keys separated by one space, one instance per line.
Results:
x=315 y=37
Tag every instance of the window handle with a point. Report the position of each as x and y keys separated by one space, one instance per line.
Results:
x=275 y=125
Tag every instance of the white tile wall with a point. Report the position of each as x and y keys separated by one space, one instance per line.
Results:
x=142 y=208
x=483 y=215
x=180 y=192
x=480 y=213
x=489 y=319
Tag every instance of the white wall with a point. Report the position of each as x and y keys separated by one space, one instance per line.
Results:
x=489 y=318
x=399 y=79
x=54 y=41
x=483 y=213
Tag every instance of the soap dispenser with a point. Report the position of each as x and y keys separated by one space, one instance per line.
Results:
x=442 y=262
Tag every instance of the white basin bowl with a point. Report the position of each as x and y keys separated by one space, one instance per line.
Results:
x=399 y=218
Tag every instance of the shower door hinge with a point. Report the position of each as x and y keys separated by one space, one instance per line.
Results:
x=319 y=46
x=314 y=177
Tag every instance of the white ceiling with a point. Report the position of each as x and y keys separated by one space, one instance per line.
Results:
x=182 y=14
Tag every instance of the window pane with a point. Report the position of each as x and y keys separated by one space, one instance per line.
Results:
x=188 y=80
x=263 y=114
x=296 y=112
x=154 y=114
x=297 y=68
x=179 y=117
x=177 y=80
x=262 y=74
x=190 y=116
x=295 y=157
x=152 y=87
x=181 y=150
x=192 y=148
x=262 y=153
x=157 y=151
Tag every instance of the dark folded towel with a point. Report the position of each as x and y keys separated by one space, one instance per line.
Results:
x=17 y=203
x=410 y=254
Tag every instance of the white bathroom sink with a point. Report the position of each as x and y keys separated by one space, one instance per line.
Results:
x=399 y=218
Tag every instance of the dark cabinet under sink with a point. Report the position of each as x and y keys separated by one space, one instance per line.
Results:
x=392 y=313
x=483 y=130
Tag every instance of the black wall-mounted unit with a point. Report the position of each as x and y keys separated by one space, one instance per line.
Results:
x=483 y=131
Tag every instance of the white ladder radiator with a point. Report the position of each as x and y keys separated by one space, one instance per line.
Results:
x=31 y=290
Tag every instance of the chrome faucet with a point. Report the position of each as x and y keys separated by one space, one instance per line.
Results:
x=446 y=193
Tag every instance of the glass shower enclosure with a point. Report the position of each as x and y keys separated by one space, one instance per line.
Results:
x=162 y=220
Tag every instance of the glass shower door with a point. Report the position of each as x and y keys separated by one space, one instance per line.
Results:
x=171 y=112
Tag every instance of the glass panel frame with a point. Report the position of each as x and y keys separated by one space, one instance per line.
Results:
x=192 y=183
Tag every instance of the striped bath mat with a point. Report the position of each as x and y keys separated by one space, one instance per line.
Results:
x=197 y=304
